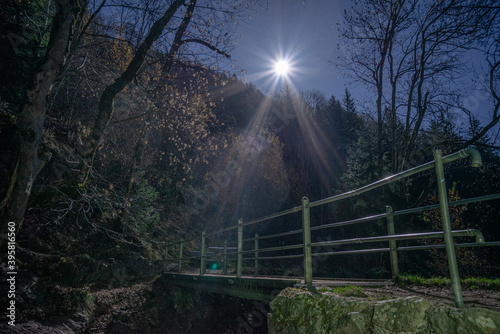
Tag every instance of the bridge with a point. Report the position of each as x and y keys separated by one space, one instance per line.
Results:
x=221 y=266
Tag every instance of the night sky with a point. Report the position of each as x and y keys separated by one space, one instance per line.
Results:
x=305 y=33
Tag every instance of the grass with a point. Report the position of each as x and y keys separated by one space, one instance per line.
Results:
x=472 y=283
x=346 y=291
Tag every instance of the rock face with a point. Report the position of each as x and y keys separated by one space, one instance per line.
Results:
x=296 y=311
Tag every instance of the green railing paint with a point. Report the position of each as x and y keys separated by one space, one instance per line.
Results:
x=203 y=266
x=448 y=238
x=239 y=265
x=256 y=248
x=165 y=263
x=306 y=241
x=181 y=248
x=392 y=238
x=392 y=243
x=224 y=259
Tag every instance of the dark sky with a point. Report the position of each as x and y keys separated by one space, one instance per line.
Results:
x=303 y=32
x=306 y=33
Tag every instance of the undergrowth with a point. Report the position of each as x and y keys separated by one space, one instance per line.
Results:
x=346 y=291
x=472 y=283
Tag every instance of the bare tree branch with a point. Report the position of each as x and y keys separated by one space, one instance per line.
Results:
x=208 y=45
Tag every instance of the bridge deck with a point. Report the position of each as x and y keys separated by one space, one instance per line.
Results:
x=255 y=287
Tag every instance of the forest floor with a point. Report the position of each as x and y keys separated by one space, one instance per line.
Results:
x=483 y=298
x=133 y=309
x=125 y=309
x=489 y=299
x=122 y=309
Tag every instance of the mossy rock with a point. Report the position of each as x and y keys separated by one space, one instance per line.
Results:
x=300 y=311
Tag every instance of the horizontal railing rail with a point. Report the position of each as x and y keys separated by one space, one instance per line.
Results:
x=455 y=203
x=226 y=253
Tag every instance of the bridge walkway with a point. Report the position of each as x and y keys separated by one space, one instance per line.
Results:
x=263 y=288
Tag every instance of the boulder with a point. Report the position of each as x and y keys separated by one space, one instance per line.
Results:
x=297 y=311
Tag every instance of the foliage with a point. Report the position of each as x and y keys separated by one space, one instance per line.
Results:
x=188 y=147
x=467 y=258
x=142 y=205
x=406 y=53
x=248 y=180
x=346 y=291
x=24 y=36
x=471 y=283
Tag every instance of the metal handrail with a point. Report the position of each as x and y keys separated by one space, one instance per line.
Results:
x=382 y=215
x=350 y=222
x=284 y=234
x=455 y=203
x=473 y=153
x=412 y=236
x=273 y=249
x=353 y=221
x=407 y=248
x=409 y=236
x=447 y=234
x=274 y=215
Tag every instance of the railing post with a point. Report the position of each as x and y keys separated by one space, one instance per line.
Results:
x=165 y=264
x=306 y=235
x=240 y=248
x=181 y=248
x=448 y=238
x=256 y=270
x=224 y=258
x=203 y=254
x=392 y=243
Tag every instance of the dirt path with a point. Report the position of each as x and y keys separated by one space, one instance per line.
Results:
x=472 y=298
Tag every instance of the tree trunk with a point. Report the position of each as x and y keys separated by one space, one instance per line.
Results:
x=137 y=159
x=106 y=102
x=422 y=101
x=144 y=134
x=31 y=158
x=495 y=119
x=386 y=47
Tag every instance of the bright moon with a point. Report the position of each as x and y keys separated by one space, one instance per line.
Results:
x=282 y=67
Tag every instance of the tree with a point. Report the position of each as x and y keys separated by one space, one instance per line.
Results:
x=315 y=138
x=491 y=46
x=420 y=49
x=31 y=155
x=106 y=102
x=369 y=35
x=67 y=30
x=435 y=55
x=144 y=133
